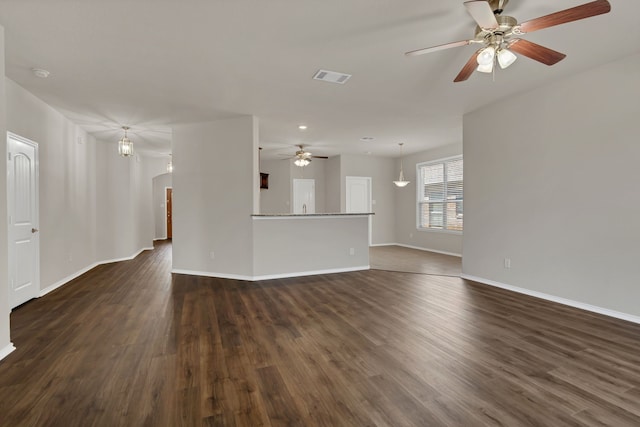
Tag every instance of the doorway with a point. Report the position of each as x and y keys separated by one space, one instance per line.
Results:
x=169 y=205
x=304 y=196
x=358 y=197
x=22 y=203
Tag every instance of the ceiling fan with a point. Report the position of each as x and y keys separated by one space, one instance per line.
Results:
x=498 y=35
x=303 y=157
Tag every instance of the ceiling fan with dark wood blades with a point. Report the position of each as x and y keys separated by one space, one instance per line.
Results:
x=498 y=35
x=303 y=157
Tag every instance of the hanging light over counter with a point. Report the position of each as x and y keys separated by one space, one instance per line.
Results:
x=401 y=182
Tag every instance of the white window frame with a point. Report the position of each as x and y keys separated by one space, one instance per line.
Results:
x=419 y=196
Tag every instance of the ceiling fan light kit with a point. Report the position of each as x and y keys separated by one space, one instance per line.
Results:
x=303 y=158
x=499 y=35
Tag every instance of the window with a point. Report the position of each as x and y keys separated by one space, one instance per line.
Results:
x=440 y=195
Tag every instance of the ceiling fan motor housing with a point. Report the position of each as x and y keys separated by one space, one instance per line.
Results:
x=505 y=25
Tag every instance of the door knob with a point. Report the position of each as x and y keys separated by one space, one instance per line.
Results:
x=34 y=230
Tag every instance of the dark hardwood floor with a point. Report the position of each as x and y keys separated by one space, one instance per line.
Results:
x=127 y=344
x=399 y=258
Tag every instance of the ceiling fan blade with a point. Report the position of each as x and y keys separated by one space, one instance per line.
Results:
x=436 y=48
x=468 y=68
x=481 y=12
x=586 y=10
x=536 y=52
x=320 y=157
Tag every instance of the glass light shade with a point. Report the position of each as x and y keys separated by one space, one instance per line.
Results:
x=506 y=58
x=485 y=68
x=486 y=55
x=301 y=162
x=401 y=182
x=125 y=147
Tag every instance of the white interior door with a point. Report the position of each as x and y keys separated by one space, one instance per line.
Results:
x=24 y=242
x=358 y=194
x=304 y=196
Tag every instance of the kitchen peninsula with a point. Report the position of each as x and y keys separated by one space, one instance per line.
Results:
x=289 y=245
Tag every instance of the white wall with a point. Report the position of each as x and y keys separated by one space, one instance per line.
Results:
x=94 y=205
x=333 y=189
x=279 y=250
x=5 y=342
x=381 y=170
x=277 y=198
x=114 y=204
x=67 y=184
x=554 y=188
x=406 y=212
x=160 y=183
x=215 y=192
x=151 y=167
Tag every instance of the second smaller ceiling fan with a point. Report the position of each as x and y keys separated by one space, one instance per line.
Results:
x=303 y=157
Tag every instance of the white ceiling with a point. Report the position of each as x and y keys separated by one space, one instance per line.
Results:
x=151 y=64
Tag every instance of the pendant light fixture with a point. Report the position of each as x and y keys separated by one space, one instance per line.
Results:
x=401 y=182
x=125 y=146
x=170 y=165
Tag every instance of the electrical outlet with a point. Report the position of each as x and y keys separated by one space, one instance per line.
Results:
x=212 y=255
x=352 y=251
x=411 y=235
x=507 y=263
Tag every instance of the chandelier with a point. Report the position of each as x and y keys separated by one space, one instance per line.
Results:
x=125 y=146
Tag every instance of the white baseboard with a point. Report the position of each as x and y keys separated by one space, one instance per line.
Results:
x=553 y=298
x=383 y=244
x=8 y=349
x=428 y=250
x=79 y=273
x=311 y=273
x=67 y=279
x=268 y=276
x=211 y=274
x=128 y=258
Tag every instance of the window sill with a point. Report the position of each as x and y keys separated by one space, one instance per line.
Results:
x=435 y=230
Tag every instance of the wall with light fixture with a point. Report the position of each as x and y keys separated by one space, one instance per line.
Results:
x=277 y=198
x=407 y=233
x=94 y=204
x=5 y=342
x=67 y=164
x=554 y=190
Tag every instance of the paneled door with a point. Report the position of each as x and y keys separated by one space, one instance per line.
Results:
x=24 y=237
x=304 y=196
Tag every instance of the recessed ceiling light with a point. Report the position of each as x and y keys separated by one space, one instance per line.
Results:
x=368 y=153
x=39 y=72
x=302 y=127
x=366 y=138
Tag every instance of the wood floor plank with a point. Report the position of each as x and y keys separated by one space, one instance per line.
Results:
x=132 y=344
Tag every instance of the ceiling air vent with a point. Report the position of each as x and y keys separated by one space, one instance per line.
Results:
x=331 y=76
